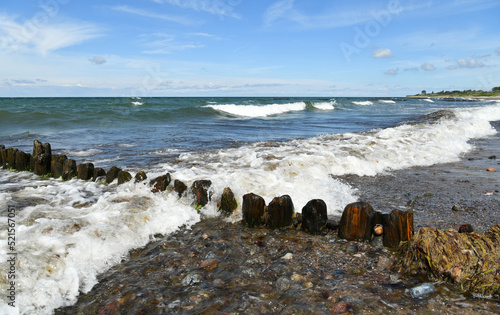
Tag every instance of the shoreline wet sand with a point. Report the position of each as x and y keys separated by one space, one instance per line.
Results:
x=217 y=267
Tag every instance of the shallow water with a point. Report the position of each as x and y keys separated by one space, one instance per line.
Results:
x=70 y=232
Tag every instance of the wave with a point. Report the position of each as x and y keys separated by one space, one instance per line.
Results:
x=324 y=105
x=256 y=111
x=137 y=103
x=387 y=101
x=428 y=100
x=363 y=103
x=77 y=230
x=82 y=153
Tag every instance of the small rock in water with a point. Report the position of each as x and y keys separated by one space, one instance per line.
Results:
x=490 y=169
x=456 y=208
x=493 y=157
x=191 y=279
x=332 y=224
x=140 y=176
x=288 y=256
x=352 y=248
x=422 y=290
x=465 y=228
x=283 y=284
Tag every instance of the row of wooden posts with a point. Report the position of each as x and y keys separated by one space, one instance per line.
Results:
x=359 y=222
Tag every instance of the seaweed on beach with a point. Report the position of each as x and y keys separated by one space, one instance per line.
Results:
x=469 y=260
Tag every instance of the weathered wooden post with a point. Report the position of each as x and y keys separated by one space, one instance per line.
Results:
x=253 y=209
x=279 y=212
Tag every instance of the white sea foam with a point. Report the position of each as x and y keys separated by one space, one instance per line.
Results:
x=428 y=100
x=79 y=229
x=387 y=101
x=254 y=111
x=363 y=103
x=324 y=105
x=137 y=103
x=83 y=153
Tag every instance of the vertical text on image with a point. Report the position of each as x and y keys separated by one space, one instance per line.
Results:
x=12 y=255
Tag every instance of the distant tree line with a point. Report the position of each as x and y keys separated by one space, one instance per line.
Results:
x=494 y=91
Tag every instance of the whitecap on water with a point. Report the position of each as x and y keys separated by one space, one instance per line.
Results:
x=255 y=111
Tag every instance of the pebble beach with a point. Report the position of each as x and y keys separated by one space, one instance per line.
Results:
x=219 y=267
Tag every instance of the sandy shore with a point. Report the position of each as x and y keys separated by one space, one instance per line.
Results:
x=222 y=268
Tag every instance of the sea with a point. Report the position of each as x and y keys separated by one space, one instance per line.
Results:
x=67 y=233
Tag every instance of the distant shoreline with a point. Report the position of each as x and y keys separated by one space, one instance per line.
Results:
x=475 y=97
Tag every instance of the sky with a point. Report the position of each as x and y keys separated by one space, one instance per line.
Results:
x=247 y=47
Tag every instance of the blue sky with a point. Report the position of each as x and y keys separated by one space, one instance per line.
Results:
x=247 y=47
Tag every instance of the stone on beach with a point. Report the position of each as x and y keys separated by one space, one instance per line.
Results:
x=85 y=171
x=253 y=209
x=314 y=216
x=465 y=228
x=279 y=212
x=160 y=183
x=57 y=165
x=228 y=203
x=42 y=158
x=490 y=169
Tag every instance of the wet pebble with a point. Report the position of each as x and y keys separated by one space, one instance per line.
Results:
x=191 y=279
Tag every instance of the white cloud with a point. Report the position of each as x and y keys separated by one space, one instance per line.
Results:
x=215 y=7
x=162 y=43
x=498 y=51
x=278 y=10
x=165 y=17
x=382 y=53
x=97 y=60
x=428 y=67
x=393 y=71
x=43 y=36
x=333 y=14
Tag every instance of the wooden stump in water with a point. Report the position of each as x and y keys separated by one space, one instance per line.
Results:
x=398 y=226
x=199 y=188
x=22 y=161
x=314 y=216
x=253 y=209
x=42 y=157
x=279 y=212
x=359 y=220
x=227 y=203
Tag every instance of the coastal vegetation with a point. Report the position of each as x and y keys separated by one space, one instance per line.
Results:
x=495 y=92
